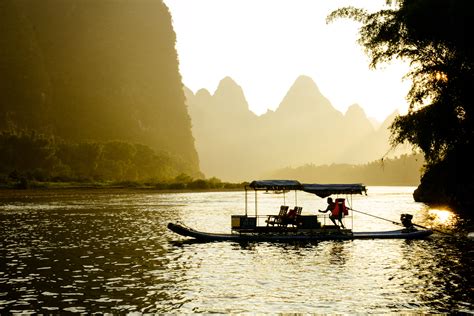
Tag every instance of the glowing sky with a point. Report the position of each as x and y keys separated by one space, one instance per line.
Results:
x=264 y=45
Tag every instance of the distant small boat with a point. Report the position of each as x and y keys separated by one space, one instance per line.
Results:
x=297 y=227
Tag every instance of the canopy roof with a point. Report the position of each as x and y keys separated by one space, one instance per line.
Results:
x=275 y=185
x=321 y=190
x=325 y=190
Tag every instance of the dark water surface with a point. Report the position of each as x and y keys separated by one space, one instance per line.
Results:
x=109 y=251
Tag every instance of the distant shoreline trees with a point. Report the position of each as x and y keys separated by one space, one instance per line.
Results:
x=31 y=156
x=404 y=171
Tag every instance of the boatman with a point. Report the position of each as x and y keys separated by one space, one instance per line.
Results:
x=336 y=212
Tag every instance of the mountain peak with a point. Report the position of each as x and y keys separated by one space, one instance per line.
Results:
x=356 y=118
x=355 y=111
x=304 y=96
x=203 y=93
x=231 y=98
x=227 y=84
x=304 y=83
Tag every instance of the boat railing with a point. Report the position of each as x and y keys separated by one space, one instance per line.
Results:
x=262 y=220
x=322 y=218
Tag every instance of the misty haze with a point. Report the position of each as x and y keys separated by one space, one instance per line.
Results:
x=146 y=168
x=235 y=144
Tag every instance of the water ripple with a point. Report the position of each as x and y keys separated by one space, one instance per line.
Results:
x=110 y=252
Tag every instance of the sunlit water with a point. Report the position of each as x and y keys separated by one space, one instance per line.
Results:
x=110 y=252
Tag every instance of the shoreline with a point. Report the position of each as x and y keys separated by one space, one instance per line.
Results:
x=117 y=187
x=69 y=186
x=162 y=187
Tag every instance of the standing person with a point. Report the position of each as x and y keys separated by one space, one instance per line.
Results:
x=336 y=212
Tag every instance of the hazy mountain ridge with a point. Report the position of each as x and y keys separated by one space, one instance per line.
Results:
x=234 y=144
x=404 y=171
x=94 y=71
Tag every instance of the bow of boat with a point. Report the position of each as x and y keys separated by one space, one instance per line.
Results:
x=180 y=230
x=189 y=232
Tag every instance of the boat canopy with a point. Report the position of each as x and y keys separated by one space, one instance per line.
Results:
x=325 y=190
x=321 y=190
x=275 y=185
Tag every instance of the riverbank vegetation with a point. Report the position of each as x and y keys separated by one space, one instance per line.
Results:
x=175 y=185
x=33 y=160
x=30 y=157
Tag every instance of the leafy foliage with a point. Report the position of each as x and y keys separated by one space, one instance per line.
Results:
x=38 y=157
x=433 y=35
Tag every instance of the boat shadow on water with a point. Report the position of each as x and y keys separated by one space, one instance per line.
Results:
x=250 y=245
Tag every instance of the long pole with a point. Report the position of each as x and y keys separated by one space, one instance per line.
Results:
x=393 y=222
x=255 y=203
x=246 y=201
x=397 y=223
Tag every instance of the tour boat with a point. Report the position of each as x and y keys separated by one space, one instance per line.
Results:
x=291 y=225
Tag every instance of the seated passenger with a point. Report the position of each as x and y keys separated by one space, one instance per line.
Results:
x=291 y=213
x=290 y=217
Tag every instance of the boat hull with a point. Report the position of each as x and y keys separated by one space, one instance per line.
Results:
x=291 y=236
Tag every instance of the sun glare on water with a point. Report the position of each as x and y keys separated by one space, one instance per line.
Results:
x=443 y=217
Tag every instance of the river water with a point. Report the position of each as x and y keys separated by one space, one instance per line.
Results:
x=109 y=251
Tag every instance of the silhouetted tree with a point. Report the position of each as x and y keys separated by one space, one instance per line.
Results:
x=433 y=35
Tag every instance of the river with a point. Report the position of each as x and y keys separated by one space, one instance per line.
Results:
x=109 y=251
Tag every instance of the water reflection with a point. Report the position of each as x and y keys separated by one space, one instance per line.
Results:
x=85 y=259
x=338 y=255
x=443 y=217
x=109 y=252
x=442 y=268
x=445 y=222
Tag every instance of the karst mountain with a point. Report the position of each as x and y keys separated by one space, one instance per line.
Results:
x=94 y=71
x=235 y=144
